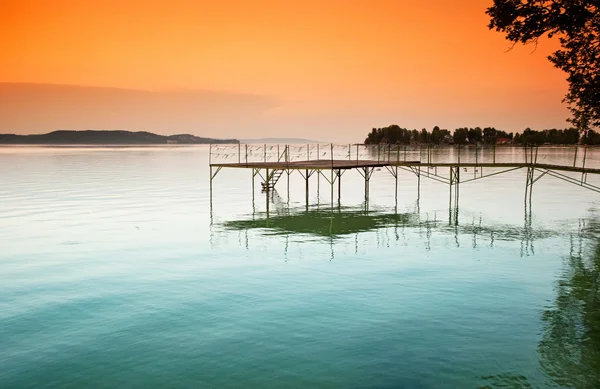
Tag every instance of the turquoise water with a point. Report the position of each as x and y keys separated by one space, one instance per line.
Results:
x=116 y=272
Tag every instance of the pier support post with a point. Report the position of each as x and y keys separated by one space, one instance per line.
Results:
x=419 y=183
x=367 y=176
x=307 y=177
x=529 y=183
x=339 y=178
x=288 y=185
x=318 y=190
x=211 y=185
x=332 y=182
x=454 y=181
x=267 y=189
x=396 y=188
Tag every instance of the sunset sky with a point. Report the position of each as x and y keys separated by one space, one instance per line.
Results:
x=329 y=70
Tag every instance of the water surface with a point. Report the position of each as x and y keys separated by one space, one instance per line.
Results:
x=117 y=272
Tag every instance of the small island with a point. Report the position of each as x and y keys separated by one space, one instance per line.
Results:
x=107 y=137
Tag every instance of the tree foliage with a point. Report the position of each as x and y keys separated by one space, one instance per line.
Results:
x=576 y=23
x=395 y=134
x=568 y=136
x=488 y=135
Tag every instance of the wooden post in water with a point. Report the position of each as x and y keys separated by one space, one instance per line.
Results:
x=575 y=159
x=306 y=188
x=339 y=178
x=332 y=182
x=246 y=155
x=396 y=187
x=211 y=186
x=267 y=189
x=419 y=183
x=366 y=171
x=318 y=188
x=210 y=171
x=239 y=153
x=265 y=152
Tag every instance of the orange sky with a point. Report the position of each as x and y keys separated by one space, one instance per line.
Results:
x=344 y=66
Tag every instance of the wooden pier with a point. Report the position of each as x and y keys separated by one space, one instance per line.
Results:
x=271 y=162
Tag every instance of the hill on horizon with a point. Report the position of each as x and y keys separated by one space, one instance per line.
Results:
x=105 y=137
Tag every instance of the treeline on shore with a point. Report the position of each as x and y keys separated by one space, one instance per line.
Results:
x=478 y=135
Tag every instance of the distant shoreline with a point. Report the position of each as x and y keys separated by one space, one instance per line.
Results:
x=108 y=138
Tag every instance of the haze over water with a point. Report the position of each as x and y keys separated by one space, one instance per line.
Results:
x=117 y=272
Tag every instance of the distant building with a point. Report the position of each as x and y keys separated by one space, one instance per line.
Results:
x=503 y=141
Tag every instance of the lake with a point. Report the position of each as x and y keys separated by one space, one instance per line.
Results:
x=117 y=272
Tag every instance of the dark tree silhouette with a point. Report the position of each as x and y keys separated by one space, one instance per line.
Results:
x=475 y=135
x=460 y=135
x=576 y=23
x=489 y=135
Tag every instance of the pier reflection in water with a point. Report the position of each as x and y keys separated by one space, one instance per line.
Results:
x=337 y=224
x=568 y=351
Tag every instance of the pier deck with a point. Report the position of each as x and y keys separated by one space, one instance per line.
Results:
x=346 y=164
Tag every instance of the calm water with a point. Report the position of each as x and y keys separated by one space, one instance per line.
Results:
x=116 y=273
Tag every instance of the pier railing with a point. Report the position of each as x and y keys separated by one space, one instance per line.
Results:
x=576 y=156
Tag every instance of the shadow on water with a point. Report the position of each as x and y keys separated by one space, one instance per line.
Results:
x=322 y=223
x=331 y=224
